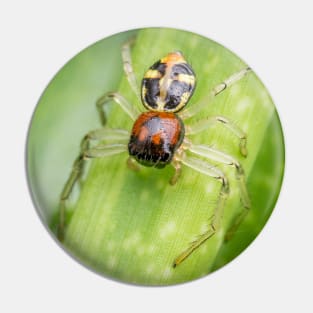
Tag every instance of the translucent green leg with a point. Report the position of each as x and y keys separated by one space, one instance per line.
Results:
x=236 y=223
x=128 y=66
x=210 y=170
x=127 y=107
x=132 y=164
x=224 y=158
x=85 y=152
x=67 y=189
x=197 y=107
x=204 y=124
x=177 y=166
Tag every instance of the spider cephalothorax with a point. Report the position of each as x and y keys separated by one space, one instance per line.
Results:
x=168 y=84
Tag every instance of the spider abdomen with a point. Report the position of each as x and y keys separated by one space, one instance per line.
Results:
x=155 y=137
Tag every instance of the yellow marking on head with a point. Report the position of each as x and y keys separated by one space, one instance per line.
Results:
x=143 y=91
x=153 y=74
x=186 y=78
x=173 y=57
x=160 y=105
x=143 y=96
x=184 y=98
x=165 y=83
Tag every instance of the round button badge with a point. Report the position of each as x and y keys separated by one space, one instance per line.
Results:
x=155 y=156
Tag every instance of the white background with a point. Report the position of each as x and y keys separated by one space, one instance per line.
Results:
x=274 y=38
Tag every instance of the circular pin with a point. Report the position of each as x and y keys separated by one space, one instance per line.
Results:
x=151 y=166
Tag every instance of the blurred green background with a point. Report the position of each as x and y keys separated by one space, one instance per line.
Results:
x=130 y=226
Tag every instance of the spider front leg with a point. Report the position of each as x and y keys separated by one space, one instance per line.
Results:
x=101 y=150
x=209 y=170
x=190 y=112
x=127 y=107
x=128 y=66
x=203 y=124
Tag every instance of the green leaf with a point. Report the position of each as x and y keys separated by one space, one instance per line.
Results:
x=132 y=225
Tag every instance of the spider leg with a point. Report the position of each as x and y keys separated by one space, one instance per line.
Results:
x=107 y=134
x=224 y=158
x=105 y=150
x=203 y=124
x=177 y=166
x=132 y=164
x=209 y=170
x=190 y=112
x=78 y=166
x=127 y=107
x=128 y=67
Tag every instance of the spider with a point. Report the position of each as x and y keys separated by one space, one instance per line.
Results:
x=159 y=136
